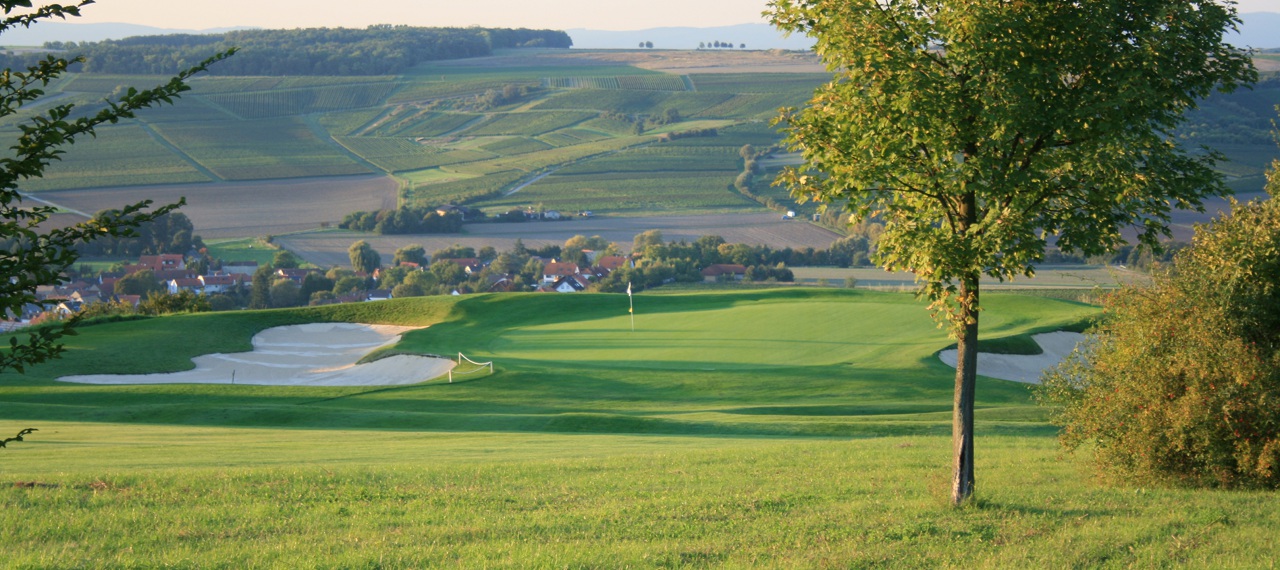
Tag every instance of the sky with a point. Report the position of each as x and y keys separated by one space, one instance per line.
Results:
x=553 y=14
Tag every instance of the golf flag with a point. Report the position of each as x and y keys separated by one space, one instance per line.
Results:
x=631 y=308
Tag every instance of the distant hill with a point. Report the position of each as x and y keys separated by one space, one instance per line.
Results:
x=755 y=36
x=63 y=32
x=1260 y=30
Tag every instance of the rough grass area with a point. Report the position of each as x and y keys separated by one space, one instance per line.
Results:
x=341 y=498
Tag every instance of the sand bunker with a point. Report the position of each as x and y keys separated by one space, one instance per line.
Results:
x=1021 y=367
x=320 y=354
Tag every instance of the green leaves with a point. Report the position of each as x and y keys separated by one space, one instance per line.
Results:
x=1050 y=118
x=31 y=256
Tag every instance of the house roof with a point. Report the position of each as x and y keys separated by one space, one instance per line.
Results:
x=558 y=268
x=612 y=262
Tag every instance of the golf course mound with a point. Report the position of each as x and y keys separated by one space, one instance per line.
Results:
x=319 y=354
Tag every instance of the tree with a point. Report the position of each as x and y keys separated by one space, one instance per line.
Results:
x=1181 y=382
x=413 y=253
x=285 y=259
x=645 y=239
x=32 y=255
x=260 y=288
x=976 y=129
x=139 y=283
x=363 y=258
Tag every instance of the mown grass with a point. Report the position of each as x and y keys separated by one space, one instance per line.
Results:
x=819 y=443
x=116 y=496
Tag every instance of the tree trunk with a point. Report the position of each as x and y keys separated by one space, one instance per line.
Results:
x=962 y=483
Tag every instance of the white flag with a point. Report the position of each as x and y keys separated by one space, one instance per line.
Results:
x=628 y=289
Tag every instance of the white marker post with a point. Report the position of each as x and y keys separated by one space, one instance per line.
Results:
x=631 y=307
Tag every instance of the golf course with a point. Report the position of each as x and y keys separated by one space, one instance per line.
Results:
x=749 y=428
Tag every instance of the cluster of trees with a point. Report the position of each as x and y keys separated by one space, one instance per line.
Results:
x=170 y=233
x=376 y=50
x=691 y=133
x=719 y=44
x=510 y=93
x=646 y=45
x=403 y=220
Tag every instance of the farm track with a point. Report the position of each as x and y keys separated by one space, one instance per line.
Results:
x=325 y=136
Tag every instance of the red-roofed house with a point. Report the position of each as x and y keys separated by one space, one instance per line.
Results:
x=162 y=262
x=555 y=270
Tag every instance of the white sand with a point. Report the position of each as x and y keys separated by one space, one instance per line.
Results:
x=1023 y=368
x=319 y=354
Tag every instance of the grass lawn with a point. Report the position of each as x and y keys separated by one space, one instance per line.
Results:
x=759 y=428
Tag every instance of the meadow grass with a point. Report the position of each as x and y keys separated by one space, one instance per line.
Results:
x=819 y=443
x=242 y=249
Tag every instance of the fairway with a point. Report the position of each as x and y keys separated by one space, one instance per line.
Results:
x=747 y=336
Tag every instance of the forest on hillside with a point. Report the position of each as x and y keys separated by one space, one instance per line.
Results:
x=376 y=50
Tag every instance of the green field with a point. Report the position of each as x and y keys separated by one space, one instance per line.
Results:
x=568 y=112
x=696 y=441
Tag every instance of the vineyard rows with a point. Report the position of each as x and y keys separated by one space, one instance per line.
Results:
x=264 y=104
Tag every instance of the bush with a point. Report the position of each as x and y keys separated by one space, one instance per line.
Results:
x=1181 y=381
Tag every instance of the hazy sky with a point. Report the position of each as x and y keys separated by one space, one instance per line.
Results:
x=556 y=14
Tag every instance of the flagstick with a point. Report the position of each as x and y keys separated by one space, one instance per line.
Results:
x=631 y=307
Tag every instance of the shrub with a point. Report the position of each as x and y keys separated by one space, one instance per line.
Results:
x=1181 y=381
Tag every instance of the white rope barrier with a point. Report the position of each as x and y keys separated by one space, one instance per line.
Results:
x=480 y=365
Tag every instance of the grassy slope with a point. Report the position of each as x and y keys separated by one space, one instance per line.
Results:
x=445 y=477
x=789 y=362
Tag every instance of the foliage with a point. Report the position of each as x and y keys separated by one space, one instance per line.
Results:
x=976 y=128
x=168 y=233
x=1181 y=381
x=363 y=257
x=33 y=256
x=404 y=220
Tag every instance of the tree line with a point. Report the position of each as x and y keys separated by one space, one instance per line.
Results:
x=376 y=50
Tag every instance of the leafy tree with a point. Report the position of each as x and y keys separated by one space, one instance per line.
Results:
x=285 y=259
x=363 y=257
x=976 y=128
x=348 y=284
x=1181 y=382
x=162 y=303
x=413 y=253
x=407 y=290
x=454 y=251
x=286 y=293
x=448 y=273
x=33 y=255
x=138 y=283
x=260 y=288
x=313 y=282
x=645 y=239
